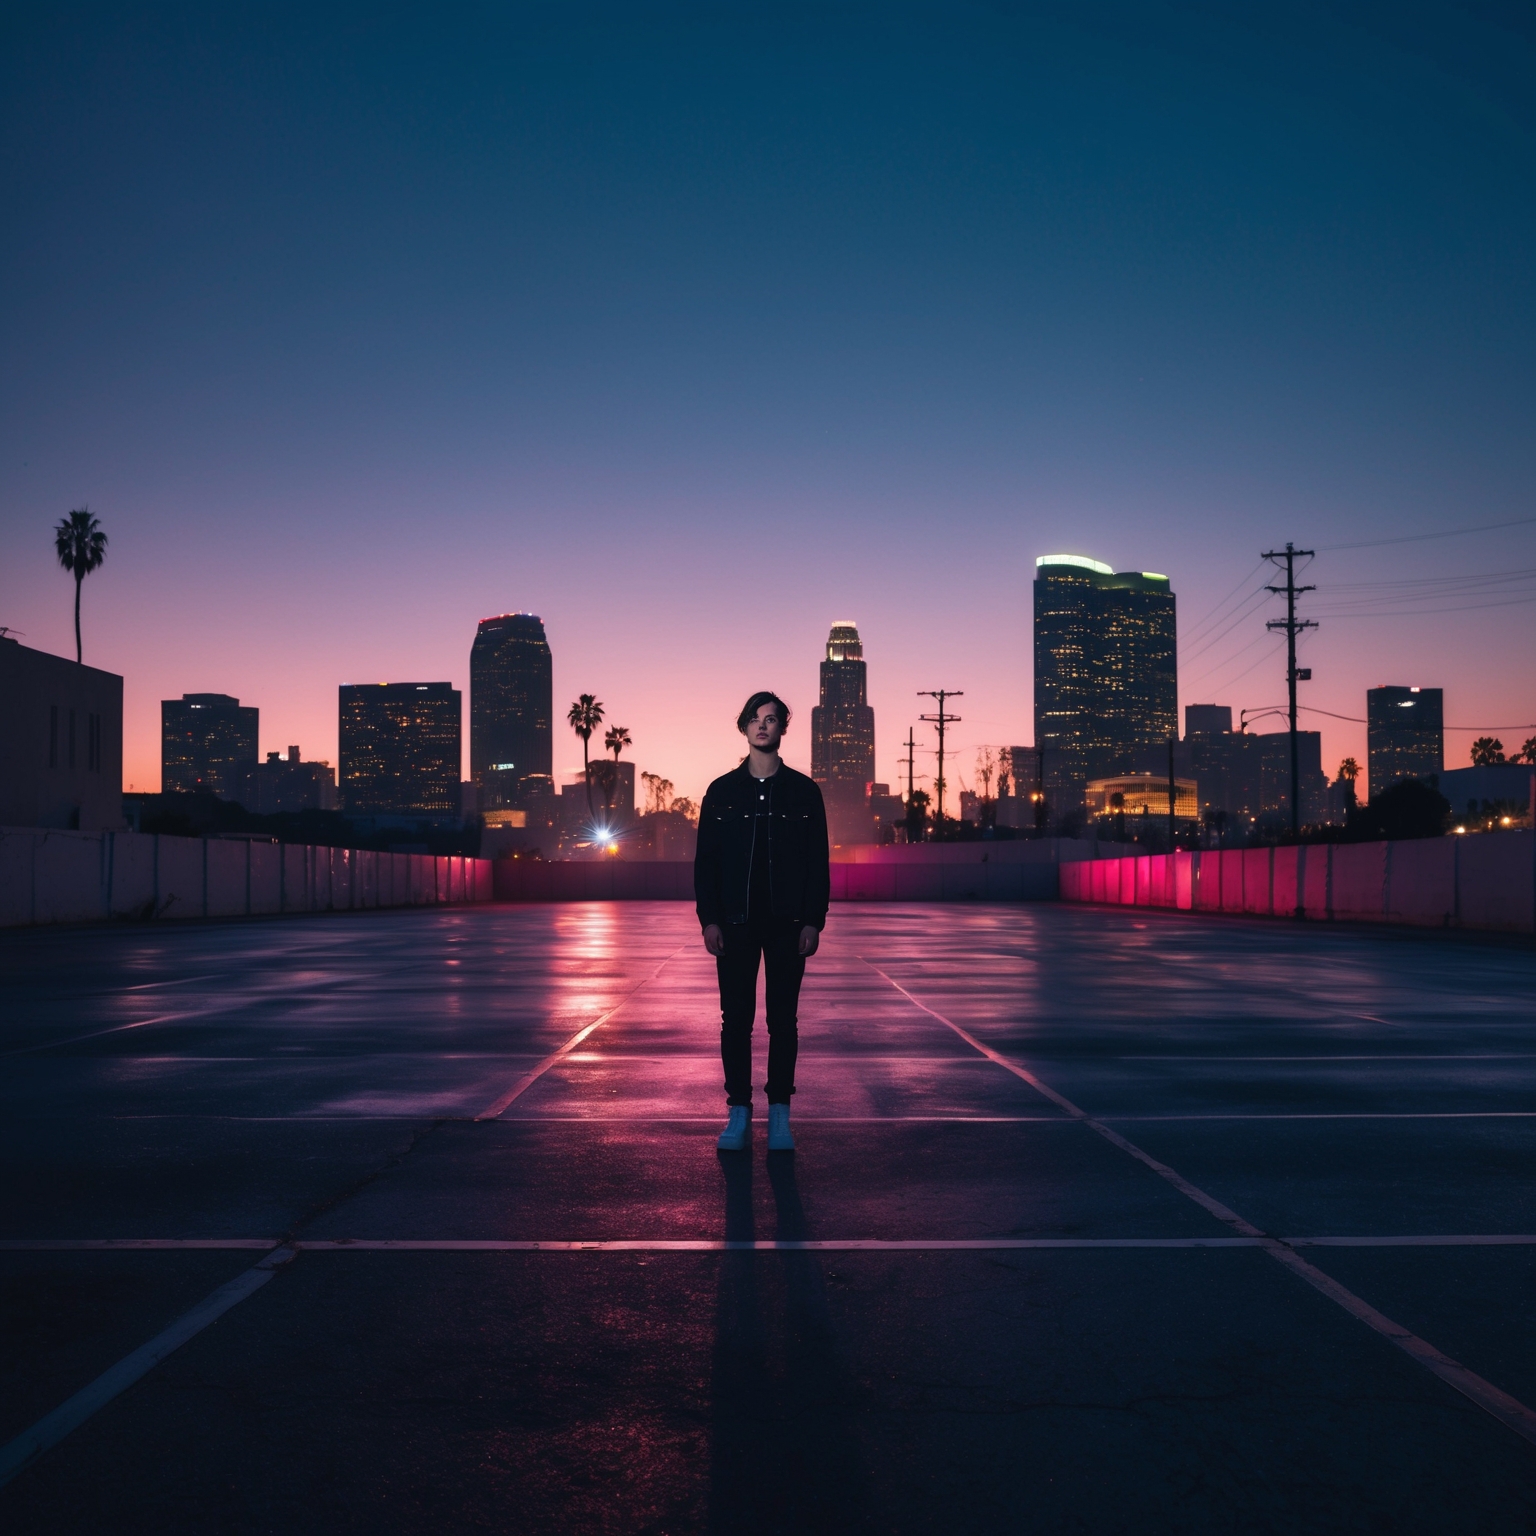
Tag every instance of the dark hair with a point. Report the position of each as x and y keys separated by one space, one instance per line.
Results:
x=750 y=708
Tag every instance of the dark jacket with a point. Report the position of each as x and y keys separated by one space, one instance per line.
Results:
x=796 y=850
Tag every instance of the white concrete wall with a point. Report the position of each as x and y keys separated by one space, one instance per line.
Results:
x=49 y=876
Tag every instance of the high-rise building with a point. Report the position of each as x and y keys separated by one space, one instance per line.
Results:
x=400 y=749
x=1106 y=676
x=843 y=738
x=1404 y=735
x=511 y=712
x=207 y=744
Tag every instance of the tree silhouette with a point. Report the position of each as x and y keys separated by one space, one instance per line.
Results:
x=1349 y=771
x=615 y=741
x=584 y=717
x=917 y=815
x=1407 y=809
x=1527 y=753
x=658 y=792
x=1487 y=751
x=81 y=547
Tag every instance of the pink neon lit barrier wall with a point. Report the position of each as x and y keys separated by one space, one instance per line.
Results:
x=1487 y=881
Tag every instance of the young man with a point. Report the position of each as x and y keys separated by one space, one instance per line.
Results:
x=762 y=883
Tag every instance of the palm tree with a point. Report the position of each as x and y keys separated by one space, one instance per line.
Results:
x=584 y=717
x=615 y=741
x=1486 y=751
x=1349 y=771
x=81 y=547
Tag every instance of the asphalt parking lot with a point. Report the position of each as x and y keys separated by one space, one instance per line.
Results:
x=1100 y=1221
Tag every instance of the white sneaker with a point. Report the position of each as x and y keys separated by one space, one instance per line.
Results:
x=738 y=1129
x=779 y=1138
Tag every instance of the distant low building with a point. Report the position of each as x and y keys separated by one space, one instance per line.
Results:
x=286 y=784
x=1471 y=790
x=661 y=835
x=1245 y=777
x=1274 y=749
x=207 y=744
x=1024 y=807
x=1135 y=794
x=1207 y=719
x=887 y=811
x=61 y=742
x=578 y=825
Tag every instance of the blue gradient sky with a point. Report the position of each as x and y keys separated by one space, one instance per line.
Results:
x=695 y=329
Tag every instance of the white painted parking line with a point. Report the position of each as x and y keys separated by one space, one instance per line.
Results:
x=720 y=1245
x=494 y=1109
x=184 y=981
x=1403 y=1114
x=116 y=1029
x=1378 y=1056
x=129 y=1244
x=537 y=1117
x=1427 y=1240
x=1510 y=1412
x=758 y=1245
x=70 y=1415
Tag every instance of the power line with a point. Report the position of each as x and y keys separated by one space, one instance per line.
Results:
x=1232 y=681
x=1254 y=598
x=1416 y=538
x=1227 y=660
x=1357 y=720
x=909 y=760
x=1211 y=616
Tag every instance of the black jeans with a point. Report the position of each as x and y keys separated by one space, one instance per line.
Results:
x=778 y=942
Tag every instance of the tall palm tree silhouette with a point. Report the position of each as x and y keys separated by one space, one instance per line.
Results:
x=615 y=741
x=81 y=547
x=584 y=717
x=1349 y=771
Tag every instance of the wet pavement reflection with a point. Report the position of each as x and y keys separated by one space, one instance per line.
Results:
x=516 y=1075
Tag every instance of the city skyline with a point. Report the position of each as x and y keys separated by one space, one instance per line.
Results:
x=1348 y=737
x=517 y=334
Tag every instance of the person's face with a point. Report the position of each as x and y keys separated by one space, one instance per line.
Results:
x=765 y=729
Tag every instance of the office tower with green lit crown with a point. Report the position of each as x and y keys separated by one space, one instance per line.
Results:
x=1106 y=674
x=511 y=712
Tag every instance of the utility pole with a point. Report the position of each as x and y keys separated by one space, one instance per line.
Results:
x=1172 y=795
x=940 y=720
x=1292 y=627
x=908 y=760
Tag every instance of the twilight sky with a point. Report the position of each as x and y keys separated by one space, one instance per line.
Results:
x=694 y=329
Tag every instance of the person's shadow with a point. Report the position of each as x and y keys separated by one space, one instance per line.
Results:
x=784 y=1453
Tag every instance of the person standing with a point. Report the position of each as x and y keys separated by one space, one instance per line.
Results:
x=762 y=882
